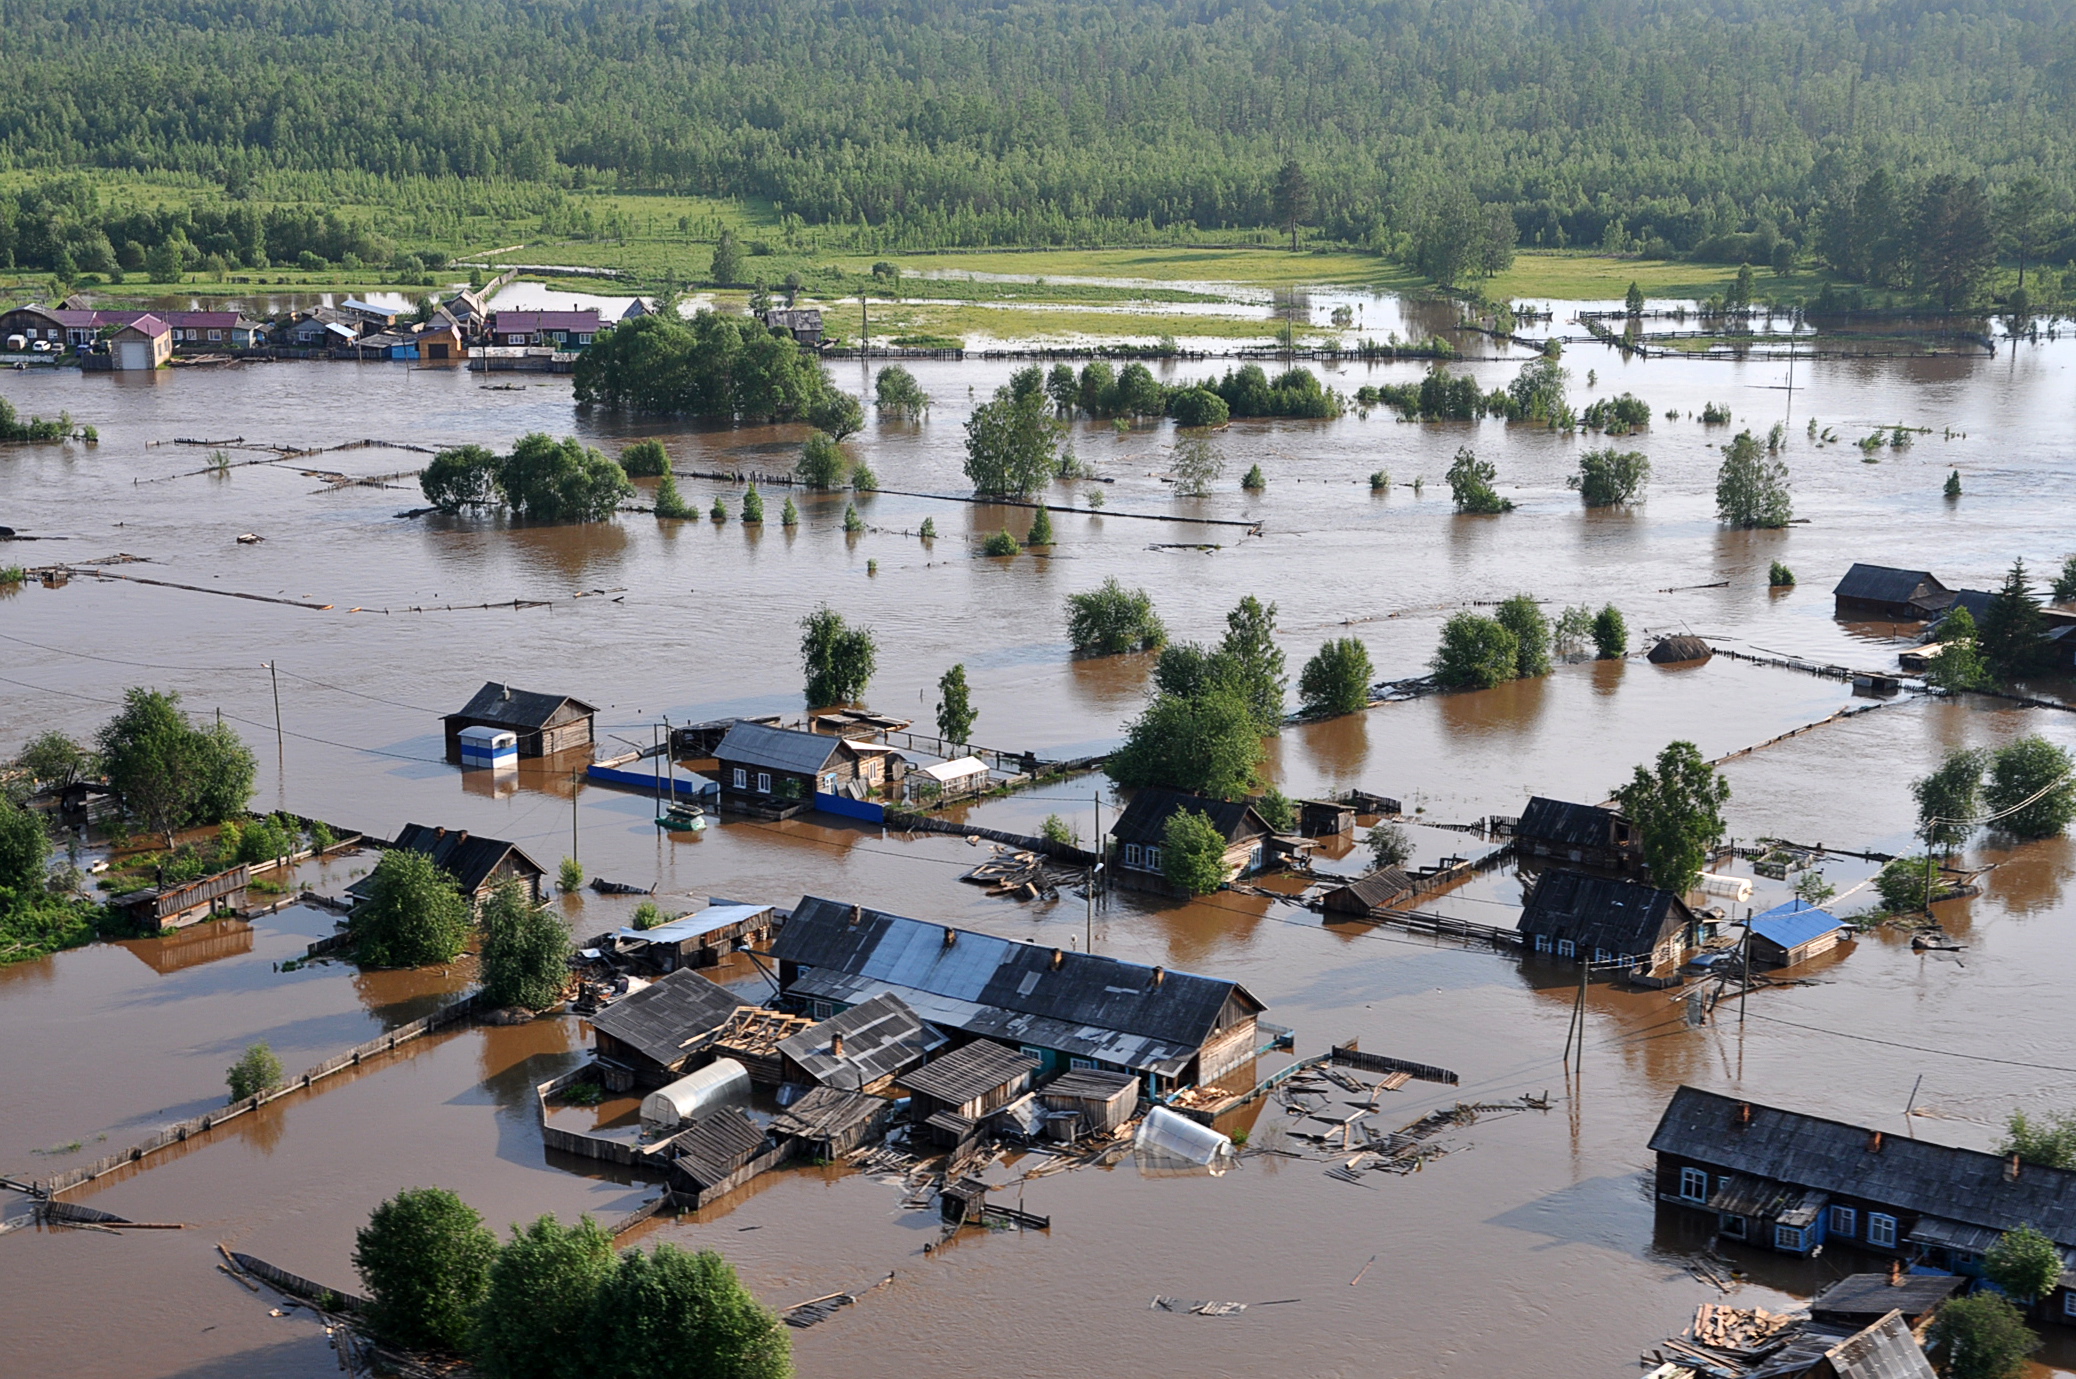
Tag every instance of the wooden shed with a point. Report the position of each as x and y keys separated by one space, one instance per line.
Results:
x=1383 y=889
x=948 y=1096
x=1583 y=833
x=830 y=1122
x=157 y=908
x=1883 y=591
x=651 y=1037
x=1325 y=818
x=1793 y=933
x=699 y=939
x=1141 y=834
x=1102 y=1100
x=545 y=723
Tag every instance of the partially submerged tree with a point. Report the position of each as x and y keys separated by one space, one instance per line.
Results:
x=2024 y=1263
x=1337 y=679
x=1207 y=743
x=1981 y=1336
x=1678 y=812
x=542 y=479
x=1956 y=661
x=169 y=773
x=837 y=413
x=837 y=659
x=896 y=392
x=536 y=1306
x=1012 y=442
x=955 y=713
x=682 y=1315
x=1470 y=484
x=425 y=1257
x=2050 y=1140
x=1610 y=477
x=257 y=1070
x=822 y=463
x=1277 y=810
x=414 y=915
x=1193 y=852
x=1256 y=662
x=2032 y=784
x=1950 y=798
x=2012 y=628
x=1475 y=653
x=1388 y=844
x=645 y=459
x=526 y=951
x=1610 y=634
x=1521 y=616
x=54 y=760
x=1111 y=619
x=1752 y=486
x=1197 y=464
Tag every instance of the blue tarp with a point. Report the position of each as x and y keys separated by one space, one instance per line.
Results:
x=850 y=808
x=1794 y=923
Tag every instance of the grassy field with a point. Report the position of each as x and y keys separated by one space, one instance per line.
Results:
x=1247 y=266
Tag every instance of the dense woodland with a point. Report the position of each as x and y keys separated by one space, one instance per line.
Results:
x=1675 y=126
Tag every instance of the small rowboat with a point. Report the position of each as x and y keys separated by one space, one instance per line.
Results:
x=683 y=818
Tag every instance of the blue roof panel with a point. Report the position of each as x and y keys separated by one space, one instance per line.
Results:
x=1794 y=923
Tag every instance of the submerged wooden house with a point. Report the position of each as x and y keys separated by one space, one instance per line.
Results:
x=1883 y=591
x=1063 y=1009
x=765 y=769
x=1782 y=1180
x=1579 y=917
x=1793 y=933
x=1386 y=888
x=699 y=939
x=1582 y=834
x=478 y=865
x=863 y=1048
x=653 y=1036
x=158 y=908
x=544 y=723
x=948 y=1097
x=1141 y=831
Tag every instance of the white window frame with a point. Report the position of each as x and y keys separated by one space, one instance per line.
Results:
x=1881 y=1230
x=829 y=784
x=1788 y=1238
x=1152 y=855
x=216 y=335
x=1131 y=854
x=1032 y=1051
x=764 y=782
x=1693 y=1185
x=583 y=339
x=1090 y=1063
x=1566 y=948
x=1542 y=943
x=742 y=779
x=1845 y=1221
x=821 y=1009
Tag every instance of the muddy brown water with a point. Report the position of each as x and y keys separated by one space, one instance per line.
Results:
x=1534 y=1245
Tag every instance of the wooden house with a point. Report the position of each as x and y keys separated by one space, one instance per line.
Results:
x=1063 y=1009
x=157 y=908
x=1576 y=916
x=828 y=1122
x=949 y=1096
x=699 y=939
x=765 y=769
x=1584 y=834
x=477 y=864
x=1786 y=1181
x=545 y=723
x=650 y=1037
x=32 y=325
x=370 y=316
x=467 y=307
x=1860 y=1300
x=1098 y=1101
x=1141 y=831
x=803 y=323
x=561 y=331
x=713 y=1149
x=1882 y=591
x=752 y=1037
x=1793 y=933
x=145 y=343
x=1326 y=818
x=1387 y=888
x=862 y=1048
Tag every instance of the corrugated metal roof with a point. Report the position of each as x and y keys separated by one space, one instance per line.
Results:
x=1794 y=923
x=1145 y=819
x=1954 y=1235
x=1601 y=913
x=698 y=924
x=882 y=1036
x=1912 y=1176
x=665 y=1018
x=1572 y=825
x=1885 y=1350
x=777 y=749
x=971 y=1071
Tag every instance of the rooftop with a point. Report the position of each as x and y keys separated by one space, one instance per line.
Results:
x=1145 y=819
x=467 y=857
x=665 y=1019
x=698 y=924
x=1872 y=1295
x=881 y=1037
x=978 y=1068
x=517 y=708
x=1573 y=825
x=1887 y=584
x=777 y=749
x=1625 y=918
x=1796 y=922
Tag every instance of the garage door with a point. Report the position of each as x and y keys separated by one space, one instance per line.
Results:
x=133 y=354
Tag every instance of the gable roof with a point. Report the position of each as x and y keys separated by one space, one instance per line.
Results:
x=467 y=857
x=975 y=1070
x=717 y=1144
x=881 y=1037
x=1625 y=918
x=698 y=924
x=664 y=1019
x=151 y=327
x=1794 y=923
x=777 y=749
x=1091 y=1006
x=1887 y=584
x=1573 y=825
x=1378 y=889
x=1935 y=1180
x=1145 y=819
x=1885 y=1350
x=526 y=322
x=517 y=708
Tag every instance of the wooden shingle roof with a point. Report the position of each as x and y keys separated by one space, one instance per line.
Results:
x=1567 y=824
x=506 y=707
x=980 y=1067
x=468 y=857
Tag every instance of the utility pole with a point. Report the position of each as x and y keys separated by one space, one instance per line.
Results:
x=280 y=741
x=573 y=814
x=864 y=325
x=1095 y=872
x=657 y=744
x=1744 y=987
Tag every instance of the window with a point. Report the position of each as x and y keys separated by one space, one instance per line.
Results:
x=764 y=782
x=583 y=339
x=1788 y=1238
x=1030 y=1052
x=1694 y=1184
x=1600 y=955
x=216 y=335
x=1254 y=860
x=742 y=779
x=821 y=1010
x=1153 y=858
x=829 y=784
x=1732 y=1226
x=1565 y=948
x=1844 y=1220
x=1081 y=1062
x=1542 y=943
x=1131 y=854
x=2069 y=1303
x=1881 y=1229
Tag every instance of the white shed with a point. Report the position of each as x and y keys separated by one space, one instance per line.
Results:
x=483 y=746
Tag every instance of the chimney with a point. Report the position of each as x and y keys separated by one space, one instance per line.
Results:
x=440 y=832
x=2011 y=1170
x=1874 y=1143
x=462 y=837
x=1895 y=1273
x=836 y=1044
x=507 y=691
x=1744 y=1114
x=1058 y=956
x=857 y=913
x=1160 y=974
x=951 y=936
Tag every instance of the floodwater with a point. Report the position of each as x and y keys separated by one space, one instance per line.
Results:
x=1534 y=1246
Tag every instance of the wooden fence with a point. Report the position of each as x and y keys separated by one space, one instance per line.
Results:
x=202 y=1124
x=904 y=822
x=295 y=1285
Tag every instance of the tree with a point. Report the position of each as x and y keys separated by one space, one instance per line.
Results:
x=753 y=505
x=822 y=463
x=414 y=915
x=1277 y=810
x=1574 y=629
x=727 y=265
x=897 y=392
x=1949 y=798
x=1293 y=199
x=560 y=481
x=2012 y=628
x=955 y=715
x=836 y=412
x=162 y=262
x=1907 y=883
x=709 y=366
x=1198 y=407
x=1678 y=813
x=537 y=1301
x=24 y=847
x=1388 y=844
x=1012 y=445
x=425 y=1257
x=1111 y=619
x=837 y=659
x=1253 y=480
x=1751 y=487
x=2023 y=770
x=1470 y=483
x=1198 y=463
x=460 y=477
x=683 y=1315
x=1521 y=616
x=1957 y=662
x=2024 y=215
x=1981 y=1336
x=1475 y=653
x=256 y=1070
x=1208 y=744
x=1040 y=533
x=54 y=760
x=1610 y=634
x=1633 y=300
x=1955 y=244
x=2050 y=1141
x=669 y=502
x=1537 y=392
x=642 y=460
x=1456 y=240
x=2024 y=1263
x=1193 y=853
x=1255 y=661
x=526 y=951
x=1337 y=679
x=1610 y=477
x=169 y=773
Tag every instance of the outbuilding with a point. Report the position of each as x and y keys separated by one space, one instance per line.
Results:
x=862 y=1049
x=1141 y=833
x=1793 y=933
x=1584 y=834
x=1679 y=651
x=769 y=770
x=1385 y=888
x=1099 y=1101
x=1883 y=591
x=544 y=723
x=950 y=1095
x=145 y=343
x=699 y=939
x=649 y=1038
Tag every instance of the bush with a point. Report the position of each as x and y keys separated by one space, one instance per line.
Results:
x=1907 y=884
x=2023 y=769
x=1573 y=630
x=266 y=839
x=1981 y=1336
x=2024 y=1263
x=1520 y=616
x=1388 y=844
x=414 y=914
x=1751 y=488
x=647 y=915
x=822 y=462
x=1610 y=478
x=669 y=502
x=1040 y=533
x=896 y=391
x=1111 y=619
x=1058 y=830
x=1198 y=407
x=425 y=1258
x=1337 y=679
x=1193 y=852
x=1475 y=653
x=753 y=506
x=1618 y=416
x=526 y=951
x=853 y=520
x=569 y=874
x=1780 y=577
x=1253 y=481
x=1001 y=543
x=1610 y=634
x=645 y=460
x=537 y=1300
x=682 y=1315
x=1953 y=484
x=256 y=1071
x=1470 y=483
x=719 y=511
x=789 y=516
x=836 y=659
x=863 y=479
x=2050 y=1141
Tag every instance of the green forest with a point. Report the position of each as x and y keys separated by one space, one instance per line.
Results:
x=1694 y=127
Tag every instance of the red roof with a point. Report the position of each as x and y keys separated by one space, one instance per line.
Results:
x=149 y=325
x=527 y=322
